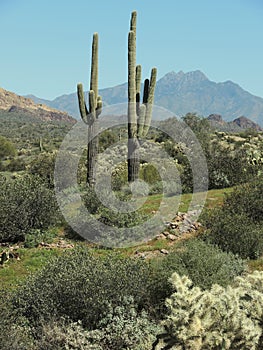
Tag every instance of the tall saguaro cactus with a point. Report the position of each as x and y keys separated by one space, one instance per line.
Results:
x=90 y=115
x=139 y=115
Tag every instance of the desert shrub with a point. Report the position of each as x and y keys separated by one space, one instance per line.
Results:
x=149 y=174
x=237 y=226
x=81 y=286
x=63 y=334
x=16 y=164
x=15 y=332
x=206 y=264
x=7 y=148
x=247 y=199
x=91 y=200
x=125 y=328
x=35 y=236
x=107 y=138
x=127 y=219
x=237 y=234
x=43 y=166
x=119 y=176
x=156 y=188
x=219 y=318
x=25 y=203
x=122 y=328
x=203 y=263
x=109 y=216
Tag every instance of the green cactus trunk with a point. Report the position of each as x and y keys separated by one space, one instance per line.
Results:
x=91 y=114
x=139 y=116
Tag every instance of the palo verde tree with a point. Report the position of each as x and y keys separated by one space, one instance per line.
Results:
x=91 y=114
x=139 y=115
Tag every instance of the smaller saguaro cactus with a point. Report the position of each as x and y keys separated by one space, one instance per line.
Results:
x=139 y=115
x=91 y=114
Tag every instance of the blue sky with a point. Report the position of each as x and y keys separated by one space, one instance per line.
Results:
x=45 y=45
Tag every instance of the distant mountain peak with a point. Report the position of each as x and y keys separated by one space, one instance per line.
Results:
x=217 y=118
x=197 y=75
x=246 y=123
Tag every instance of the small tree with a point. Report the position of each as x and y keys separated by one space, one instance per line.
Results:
x=7 y=148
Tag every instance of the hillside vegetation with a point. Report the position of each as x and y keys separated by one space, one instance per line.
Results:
x=195 y=285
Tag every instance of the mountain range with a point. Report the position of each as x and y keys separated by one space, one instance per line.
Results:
x=181 y=93
x=15 y=107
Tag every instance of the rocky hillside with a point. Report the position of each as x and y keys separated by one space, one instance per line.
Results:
x=237 y=125
x=12 y=103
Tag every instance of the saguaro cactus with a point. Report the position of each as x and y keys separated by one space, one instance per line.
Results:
x=90 y=115
x=139 y=115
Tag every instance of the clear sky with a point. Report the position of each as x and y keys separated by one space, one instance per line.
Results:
x=46 y=44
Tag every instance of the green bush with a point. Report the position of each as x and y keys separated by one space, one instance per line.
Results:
x=35 y=236
x=237 y=226
x=237 y=234
x=43 y=166
x=63 y=334
x=81 y=285
x=122 y=328
x=15 y=332
x=25 y=203
x=129 y=219
x=149 y=174
x=91 y=200
x=125 y=328
x=7 y=148
x=204 y=263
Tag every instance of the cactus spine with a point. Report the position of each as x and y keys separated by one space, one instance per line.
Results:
x=91 y=114
x=139 y=115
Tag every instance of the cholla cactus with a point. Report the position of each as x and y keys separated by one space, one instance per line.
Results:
x=90 y=115
x=219 y=318
x=139 y=116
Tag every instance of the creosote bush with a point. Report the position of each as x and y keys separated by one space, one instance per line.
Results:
x=204 y=263
x=81 y=285
x=237 y=226
x=25 y=203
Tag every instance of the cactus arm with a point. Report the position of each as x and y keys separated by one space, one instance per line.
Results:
x=94 y=65
x=141 y=121
x=146 y=90
x=92 y=104
x=138 y=76
x=82 y=105
x=99 y=106
x=150 y=100
x=152 y=86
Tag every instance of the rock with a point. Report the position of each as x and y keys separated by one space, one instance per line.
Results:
x=160 y=236
x=166 y=233
x=171 y=237
x=173 y=225
x=4 y=256
x=164 y=251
